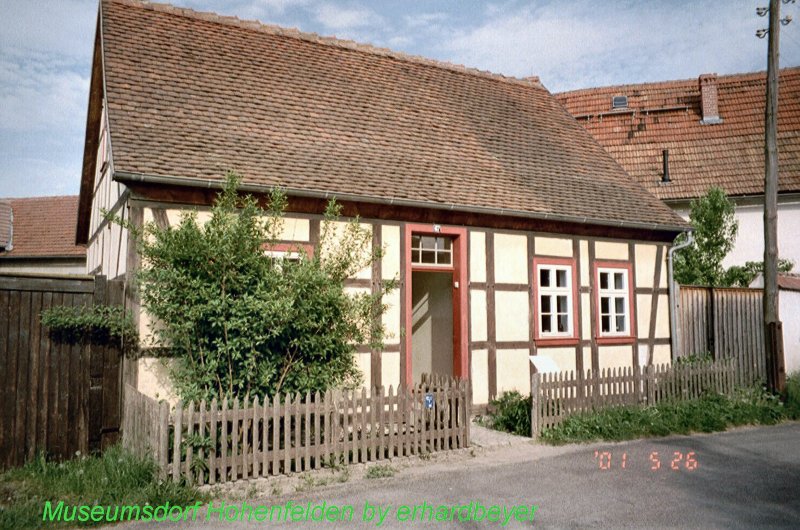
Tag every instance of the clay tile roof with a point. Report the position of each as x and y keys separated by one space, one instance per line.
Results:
x=44 y=227
x=195 y=94
x=667 y=115
x=789 y=282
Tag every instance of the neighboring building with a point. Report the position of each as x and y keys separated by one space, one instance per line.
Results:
x=789 y=310
x=512 y=232
x=704 y=132
x=37 y=235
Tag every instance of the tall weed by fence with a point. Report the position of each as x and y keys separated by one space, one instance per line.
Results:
x=557 y=395
x=208 y=443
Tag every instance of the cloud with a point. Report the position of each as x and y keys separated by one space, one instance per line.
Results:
x=339 y=18
x=590 y=43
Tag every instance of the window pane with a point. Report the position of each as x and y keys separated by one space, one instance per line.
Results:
x=605 y=323
x=415 y=241
x=428 y=242
x=604 y=280
x=604 y=305
x=621 y=323
x=428 y=256
x=562 y=304
x=545 y=300
x=561 y=278
x=445 y=258
x=415 y=256
x=619 y=281
x=563 y=324
x=619 y=305
x=546 y=324
x=445 y=243
x=544 y=278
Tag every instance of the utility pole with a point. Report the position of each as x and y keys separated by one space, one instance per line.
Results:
x=773 y=332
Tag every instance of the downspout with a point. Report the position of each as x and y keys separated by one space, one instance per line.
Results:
x=673 y=301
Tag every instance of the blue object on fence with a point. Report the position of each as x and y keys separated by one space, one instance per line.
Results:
x=428 y=401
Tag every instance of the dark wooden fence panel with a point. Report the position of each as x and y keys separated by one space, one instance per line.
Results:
x=726 y=322
x=56 y=398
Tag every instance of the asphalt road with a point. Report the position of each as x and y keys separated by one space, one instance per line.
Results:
x=748 y=478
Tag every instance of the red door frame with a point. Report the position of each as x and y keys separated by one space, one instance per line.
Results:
x=459 y=272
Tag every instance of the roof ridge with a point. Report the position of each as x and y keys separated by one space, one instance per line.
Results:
x=674 y=82
x=274 y=29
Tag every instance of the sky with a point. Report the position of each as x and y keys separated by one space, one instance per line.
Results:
x=46 y=49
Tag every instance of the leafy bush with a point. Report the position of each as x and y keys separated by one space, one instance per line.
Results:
x=115 y=478
x=99 y=324
x=695 y=358
x=792 y=396
x=380 y=471
x=710 y=413
x=240 y=321
x=511 y=412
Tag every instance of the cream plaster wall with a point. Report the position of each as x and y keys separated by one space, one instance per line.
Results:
x=662 y=318
x=586 y=316
x=390 y=369
x=513 y=372
x=153 y=379
x=615 y=356
x=477 y=256
x=477 y=305
x=563 y=357
x=510 y=258
x=511 y=310
x=553 y=246
x=643 y=302
x=645 y=265
x=587 y=357
x=585 y=274
x=662 y=354
x=391 y=318
x=390 y=263
x=610 y=250
x=480 y=376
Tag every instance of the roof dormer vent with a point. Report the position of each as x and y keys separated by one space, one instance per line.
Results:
x=619 y=102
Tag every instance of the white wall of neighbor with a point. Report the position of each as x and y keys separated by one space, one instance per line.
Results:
x=44 y=266
x=749 y=244
x=790 y=316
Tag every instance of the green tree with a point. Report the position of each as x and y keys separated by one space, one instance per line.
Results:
x=241 y=321
x=715 y=229
x=743 y=275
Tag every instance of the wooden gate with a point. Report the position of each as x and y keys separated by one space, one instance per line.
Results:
x=57 y=398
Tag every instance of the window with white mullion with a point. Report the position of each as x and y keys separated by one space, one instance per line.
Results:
x=555 y=300
x=614 y=301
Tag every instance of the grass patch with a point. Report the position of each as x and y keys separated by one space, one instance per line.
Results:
x=115 y=478
x=380 y=471
x=792 y=396
x=710 y=413
x=511 y=412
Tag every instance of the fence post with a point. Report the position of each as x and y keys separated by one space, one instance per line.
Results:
x=534 y=406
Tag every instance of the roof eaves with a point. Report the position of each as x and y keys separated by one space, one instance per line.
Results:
x=124 y=176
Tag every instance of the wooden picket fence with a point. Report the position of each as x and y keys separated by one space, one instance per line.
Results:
x=209 y=443
x=559 y=394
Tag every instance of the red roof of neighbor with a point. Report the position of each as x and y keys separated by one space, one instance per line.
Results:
x=667 y=115
x=195 y=94
x=44 y=227
x=790 y=282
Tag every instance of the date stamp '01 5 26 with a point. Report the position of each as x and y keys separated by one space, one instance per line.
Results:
x=677 y=461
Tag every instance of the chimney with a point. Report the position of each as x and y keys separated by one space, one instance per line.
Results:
x=709 y=99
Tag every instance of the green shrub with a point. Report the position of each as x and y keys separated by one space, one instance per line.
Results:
x=380 y=471
x=239 y=320
x=511 y=412
x=695 y=359
x=792 y=396
x=98 y=324
x=710 y=413
x=115 y=478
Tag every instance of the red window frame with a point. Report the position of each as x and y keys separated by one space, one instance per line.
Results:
x=558 y=340
x=630 y=338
